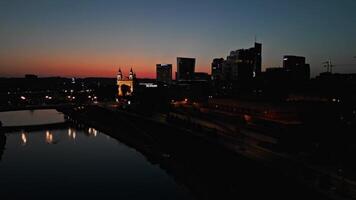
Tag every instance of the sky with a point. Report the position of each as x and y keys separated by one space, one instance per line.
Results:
x=82 y=38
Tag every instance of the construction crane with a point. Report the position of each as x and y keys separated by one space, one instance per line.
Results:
x=329 y=66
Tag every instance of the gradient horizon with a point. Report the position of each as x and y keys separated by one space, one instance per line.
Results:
x=85 y=38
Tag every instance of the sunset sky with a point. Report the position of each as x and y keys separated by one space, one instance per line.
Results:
x=94 y=38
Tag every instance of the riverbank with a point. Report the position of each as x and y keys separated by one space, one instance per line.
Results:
x=164 y=142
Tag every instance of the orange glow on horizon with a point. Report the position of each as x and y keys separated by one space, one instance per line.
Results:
x=86 y=70
x=75 y=65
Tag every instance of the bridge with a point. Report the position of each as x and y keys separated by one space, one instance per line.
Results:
x=35 y=127
x=35 y=107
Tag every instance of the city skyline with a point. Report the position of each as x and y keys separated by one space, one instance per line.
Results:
x=92 y=38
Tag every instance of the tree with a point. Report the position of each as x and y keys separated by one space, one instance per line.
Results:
x=125 y=89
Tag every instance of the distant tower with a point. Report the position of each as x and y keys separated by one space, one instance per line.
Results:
x=125 y=85
x=131 y=75
x=119 y=75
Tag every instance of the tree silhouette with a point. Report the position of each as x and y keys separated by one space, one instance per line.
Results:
x=125 y=89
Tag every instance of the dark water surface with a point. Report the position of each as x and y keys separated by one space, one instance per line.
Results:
x=72 y=163
x=83 y=163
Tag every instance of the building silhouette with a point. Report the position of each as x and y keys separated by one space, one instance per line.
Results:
x=237 y=72
x=217 y=69
x=164 y=73
x=125 y=85
x=243 y=64
x=185 y=69
x=257 y=50
x=202 y=76
x=296 y=67
x=240 y=65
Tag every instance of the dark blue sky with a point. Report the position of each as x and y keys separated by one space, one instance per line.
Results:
x=87 y=37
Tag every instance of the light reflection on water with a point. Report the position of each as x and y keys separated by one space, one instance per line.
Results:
x=80 y=163
x=49 y=137
x=23 y=138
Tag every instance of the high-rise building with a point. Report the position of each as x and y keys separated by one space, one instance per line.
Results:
x=296 y=67
x=258 y=59
x=185 y=68
x=239 y=69
x=217 y=69
x=164 y=73
x=243 y=64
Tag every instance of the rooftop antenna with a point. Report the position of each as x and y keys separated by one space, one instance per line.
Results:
x=256 y=40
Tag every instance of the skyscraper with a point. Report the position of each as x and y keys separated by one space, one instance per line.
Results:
x=237 y=72
x=244 y=64
x=258 y=59
x=185 y=68
x=216 y=69
x=164 y=73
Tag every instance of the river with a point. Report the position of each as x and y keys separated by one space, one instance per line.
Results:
x=80 y=162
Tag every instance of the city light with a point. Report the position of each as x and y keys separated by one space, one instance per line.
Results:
x=149 y=85
x=213 y=118
x=95 y=132
x=23 y=139
x=92 y=131
x=71 y=133
x=49 y=137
